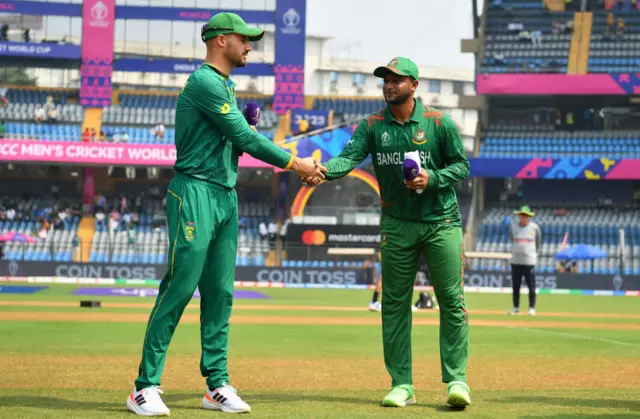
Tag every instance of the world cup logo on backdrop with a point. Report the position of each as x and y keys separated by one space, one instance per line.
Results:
x=13 y=268
x=99 y=13
x=291 y=20
x=618 y=283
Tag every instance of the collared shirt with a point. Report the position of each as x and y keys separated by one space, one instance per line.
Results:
x=212 y=133
x=430 y=132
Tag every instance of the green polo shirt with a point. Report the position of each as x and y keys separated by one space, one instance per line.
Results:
x=428 y=131
x=212 y=133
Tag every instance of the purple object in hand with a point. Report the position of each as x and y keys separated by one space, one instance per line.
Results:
x=251 y=113
x=410 y=169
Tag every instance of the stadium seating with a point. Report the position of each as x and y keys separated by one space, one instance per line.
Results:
x=137 y=114
x=349 y=106
x=585 y=225
x=610 y=53
x=509 y=141
x=149 y=243
x=117 y=115
x=58 y=245
x=43 y=132
x=22 y=111
x=39 y=96
x=507 y=51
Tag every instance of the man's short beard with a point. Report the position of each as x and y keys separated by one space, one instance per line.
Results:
x=236 y=62
x=239 y=63
x=400 y=99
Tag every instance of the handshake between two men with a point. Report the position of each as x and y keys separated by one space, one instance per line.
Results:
x=311 y=171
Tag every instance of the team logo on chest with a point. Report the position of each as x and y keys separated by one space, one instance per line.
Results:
x=386 y=140
x=419 y=137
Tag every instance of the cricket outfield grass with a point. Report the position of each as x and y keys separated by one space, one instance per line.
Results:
x=312 y=353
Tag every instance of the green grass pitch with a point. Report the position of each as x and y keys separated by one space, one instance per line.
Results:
x=307 y=353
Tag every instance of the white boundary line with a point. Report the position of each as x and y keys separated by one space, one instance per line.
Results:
x=574 y=336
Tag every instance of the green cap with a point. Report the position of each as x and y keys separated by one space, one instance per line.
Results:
x=525 y=210
x=399 y=65
x=225 y=23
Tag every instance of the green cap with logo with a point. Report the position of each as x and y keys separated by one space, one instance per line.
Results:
x=525 y=210
x=400 y=66
x=226 y=23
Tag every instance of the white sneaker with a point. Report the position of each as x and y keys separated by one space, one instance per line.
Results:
x=532 y=311
x=375 y=306
x=514 y=311
x=225 y=399
x=414 y=308
x=147 y=402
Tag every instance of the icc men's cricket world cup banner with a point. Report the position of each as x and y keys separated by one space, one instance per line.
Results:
x=98 y=27
x=290 y=46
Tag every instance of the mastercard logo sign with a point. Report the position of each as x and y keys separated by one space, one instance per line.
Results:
x=314 y=237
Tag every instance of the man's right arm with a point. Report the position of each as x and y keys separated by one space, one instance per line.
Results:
x=353 y=154
x=210 y=96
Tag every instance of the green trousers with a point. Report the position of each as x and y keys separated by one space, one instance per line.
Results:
x=402 y=243
x=203 y=239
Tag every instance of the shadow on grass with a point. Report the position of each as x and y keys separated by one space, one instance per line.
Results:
x=75 y=404
x=268 y=398
x=572 y=402
x=56 y=403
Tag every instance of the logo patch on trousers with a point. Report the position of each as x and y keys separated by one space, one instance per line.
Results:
x=190 y=231
x=383 y=239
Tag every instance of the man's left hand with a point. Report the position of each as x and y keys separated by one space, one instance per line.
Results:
x=419 y=182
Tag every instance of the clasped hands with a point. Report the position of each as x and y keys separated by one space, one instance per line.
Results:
x=311 y=171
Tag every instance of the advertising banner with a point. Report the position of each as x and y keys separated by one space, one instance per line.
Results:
x=330 y=235
x=264 y=275
x=311 y=276
x=145 y=65
x=159 y=155
x=291 y=16
x=98 y=28
x=188 y=14
x=556 y=281
x=28 y=49
x=317 y=119
x=41 y=7
x=558 y=84
x=131 y=12
x=600 y=168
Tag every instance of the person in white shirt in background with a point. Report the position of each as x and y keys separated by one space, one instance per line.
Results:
x=262 y=229
x=40 y=114
x=159 y=130
x=526 y=241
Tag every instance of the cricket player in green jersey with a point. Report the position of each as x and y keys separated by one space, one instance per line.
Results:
x=202 y=217
x=415 y=223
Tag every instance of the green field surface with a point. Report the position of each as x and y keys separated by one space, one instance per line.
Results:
x=312 y=353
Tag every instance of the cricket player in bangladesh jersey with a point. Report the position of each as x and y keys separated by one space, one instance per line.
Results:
x=415 y=223
x=202 y=217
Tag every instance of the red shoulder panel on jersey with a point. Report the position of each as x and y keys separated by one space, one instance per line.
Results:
x=371 y=119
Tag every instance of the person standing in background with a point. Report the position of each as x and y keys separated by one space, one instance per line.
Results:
x=526 y=241
x=374 y=305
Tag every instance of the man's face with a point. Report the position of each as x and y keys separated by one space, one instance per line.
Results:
x=237 y=48
x=524 y=219
x=398 y=89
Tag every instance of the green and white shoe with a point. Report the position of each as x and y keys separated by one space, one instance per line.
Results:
x=400 y=396
x=459 y=395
